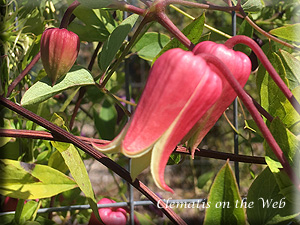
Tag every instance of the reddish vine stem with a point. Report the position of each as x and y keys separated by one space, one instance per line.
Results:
x=66 y=18
x=100 y=157
x=239 y=39
x=266 y=34
x=23 y=74
x=255 y=114
x=164 y=20
x=33 y=134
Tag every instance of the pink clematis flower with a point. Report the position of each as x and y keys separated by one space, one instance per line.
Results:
x=240 y=66
x=180 y=89
x=59 y=50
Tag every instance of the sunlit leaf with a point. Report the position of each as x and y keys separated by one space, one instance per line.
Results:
x=266 y=205
x=43 y=89
x=31 y=181
x=151 y=44
x=115 y=41
x=289 y=32
x=222 y=200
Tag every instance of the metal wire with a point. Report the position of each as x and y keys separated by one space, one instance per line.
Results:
x=235 y=116
x=117 y=204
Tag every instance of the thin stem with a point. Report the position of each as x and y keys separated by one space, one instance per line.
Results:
x=164 y=20
x=240 y=39
x=255 y=115
x=105 y=91
x=77 y=105
x=131 y=8
x=125 y=52
x=203 y=6
x=44 y=135
x=82 y=90
x=100 y=157
x=66 y=18
x=23 y=74
x=266 y=34
x=205 y=25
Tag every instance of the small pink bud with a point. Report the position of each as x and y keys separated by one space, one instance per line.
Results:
x=59 y=50
x=109 y=216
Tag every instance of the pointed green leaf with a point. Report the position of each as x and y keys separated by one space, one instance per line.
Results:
x=253 y=5
x=266 y=205
x=224 y=200
x=94 y=24
x=193 y=32
x=271 y=97
x=292 y=67
x=6 y=125
x=32 y=181
x=150 y=45
x=289 y=32
x=42 y=90
x=288 y=115
x=290 y=145
x=115 y=41
x=27 y=211
x=77 y=170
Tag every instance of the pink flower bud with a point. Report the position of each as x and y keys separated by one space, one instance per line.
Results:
x=59 y=50
x=109 y=216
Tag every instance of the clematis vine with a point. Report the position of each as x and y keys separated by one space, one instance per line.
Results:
x=181 y=89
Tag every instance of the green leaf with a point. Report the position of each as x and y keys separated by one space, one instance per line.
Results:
x=290 y=146
x=77 y=170
x=193 y=32
x=43 y=90
x=115 y=41
x=288 y=115
x=253 y=5
x=150 y=45
x=92 y=24
x=57 y=162
x=6 y=125
x=31 y=181
x=175 y=158
x=106 y=120
x=292 y=67
x=289 y=32
x=75 y=164
x=27 y=211
x=271 y=97
x=265 y=203
x=204 y=178
x=224 y=200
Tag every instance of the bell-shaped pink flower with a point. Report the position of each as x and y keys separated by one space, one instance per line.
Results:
x=110 y=215
x=240 y=66
x=180 y=89
x=59 y=50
